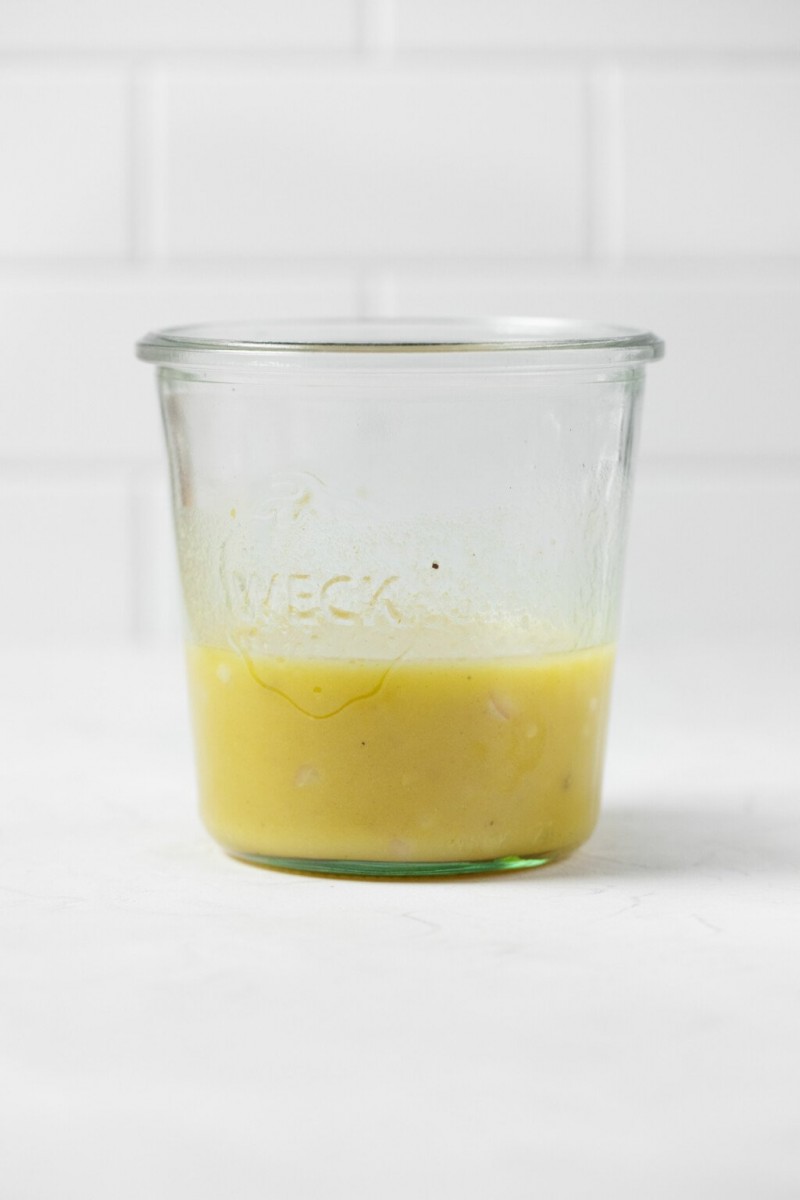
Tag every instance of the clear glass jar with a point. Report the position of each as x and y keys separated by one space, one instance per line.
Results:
x=400 y=546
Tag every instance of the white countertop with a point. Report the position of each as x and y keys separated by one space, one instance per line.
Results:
x=624 y=1024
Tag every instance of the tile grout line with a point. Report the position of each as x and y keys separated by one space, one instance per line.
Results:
x=375 y=33
x=752 y=271
x=376 y=30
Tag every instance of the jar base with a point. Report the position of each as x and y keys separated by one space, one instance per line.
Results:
x=369 y=869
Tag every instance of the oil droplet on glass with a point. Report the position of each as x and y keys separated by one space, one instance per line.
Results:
x=500 y=707
x=306 y=775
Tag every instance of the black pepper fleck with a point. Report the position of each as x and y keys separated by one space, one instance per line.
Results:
x=435 y=566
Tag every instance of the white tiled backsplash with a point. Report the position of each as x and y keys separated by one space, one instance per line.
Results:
x=166 y=164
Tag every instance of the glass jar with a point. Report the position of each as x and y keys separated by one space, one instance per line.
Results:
x=400 y=546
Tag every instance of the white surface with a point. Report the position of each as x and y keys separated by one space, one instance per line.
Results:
x=174 y=1024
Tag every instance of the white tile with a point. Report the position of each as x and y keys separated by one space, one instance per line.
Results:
x=727 y=385
x=711 y=161
x=360 y=161
x=623 y=24
x=714 y=557
x=72 y=386
x=64 y=154
x=180 y=24
x=65 y=545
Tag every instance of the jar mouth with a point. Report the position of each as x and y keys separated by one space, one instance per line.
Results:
x=576 y=342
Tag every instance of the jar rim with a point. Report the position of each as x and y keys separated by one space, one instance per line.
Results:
x=580 y=342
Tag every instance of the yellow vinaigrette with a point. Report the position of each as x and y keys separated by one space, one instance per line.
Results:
x=406 y=762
